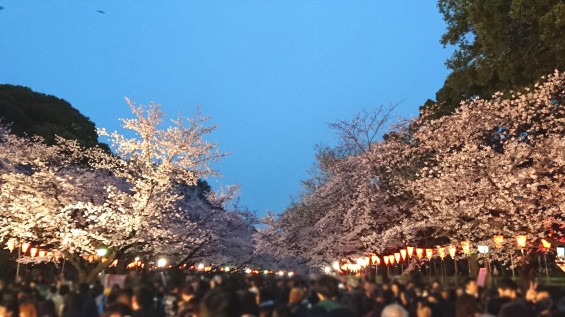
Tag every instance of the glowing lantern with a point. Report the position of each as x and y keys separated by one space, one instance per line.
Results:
x=42 y=253
x=465 y=246
x=452 y=251
x=391 y=259
x=410 y=251
x=441 y=252
x=50 y=254
x=335 y=265
x=90 y=258
x=386 y=259
x=561 y=252
x=521 y=240
x=498 y=241
x=419 y=253
x=483 y=249
x=546 y=244
x=429 y=253
x=374 y=259
x=115 y=263
x=361 y=262
x=25 y=246
x=397 y=257
x=33 y=251
x=10 y=246
x=403 y=254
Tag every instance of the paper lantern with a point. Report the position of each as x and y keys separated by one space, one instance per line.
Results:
x=42 y=253
x=25 y=246
x=403 y=254
x=465 y=246
x=376 y=260
x=561 y=252
x=33 y=251
x=385 y=258
x=498 y=241
x=429 y=253
x=410 y=251
x=483 y=249
x=521 y=240
x=419 y=253
x=546 y=244
x=441 y=252
x=397 y=257
x=11 y=246
x=391 y=259
x=452 y=251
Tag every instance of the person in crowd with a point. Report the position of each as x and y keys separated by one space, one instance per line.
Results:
x=327 y=291
x=467 y=304
x=219 y=303
x=142 y=302
x=394 y=310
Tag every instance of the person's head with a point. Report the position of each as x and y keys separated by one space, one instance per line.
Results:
x=187 y=293
x=296 y=295
x=64 y=289
x=9 y=309
x=423 y=309
x=327 y=287
x=394 y=310
x=444 y=294
x=395 y=288
x=142 y=299
x=471 y=286
x=218 y=303
x=436 y=286
x=369 y=288
x=27 y=309
x=507 y=289
x=124 y=296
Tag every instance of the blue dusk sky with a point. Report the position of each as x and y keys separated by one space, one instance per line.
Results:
x=271 y=74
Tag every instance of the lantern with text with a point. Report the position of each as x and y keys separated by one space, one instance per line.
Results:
x=391 y=259
x=410 y=251
x=25 y=246
x=498 y=241
x=465 y=246
x=33 y=252
x=403 y=254
x=419 y=253
x=385 y=258
x=441 y=252
x=429 y=253
x=452 y=251
x=521 y=240
x=397 y=257
x=561 y=252
x=42 y=253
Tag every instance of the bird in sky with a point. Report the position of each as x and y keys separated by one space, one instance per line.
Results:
x=100 y=11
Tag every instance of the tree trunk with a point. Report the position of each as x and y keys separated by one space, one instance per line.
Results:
x=86 y=272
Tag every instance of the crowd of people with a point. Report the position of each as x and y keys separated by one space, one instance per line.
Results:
x=259 y=296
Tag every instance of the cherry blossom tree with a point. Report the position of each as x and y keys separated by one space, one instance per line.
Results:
x=494 y=167
x=77 y=200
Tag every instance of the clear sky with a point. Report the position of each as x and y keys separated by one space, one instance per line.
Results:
x=271 y=74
